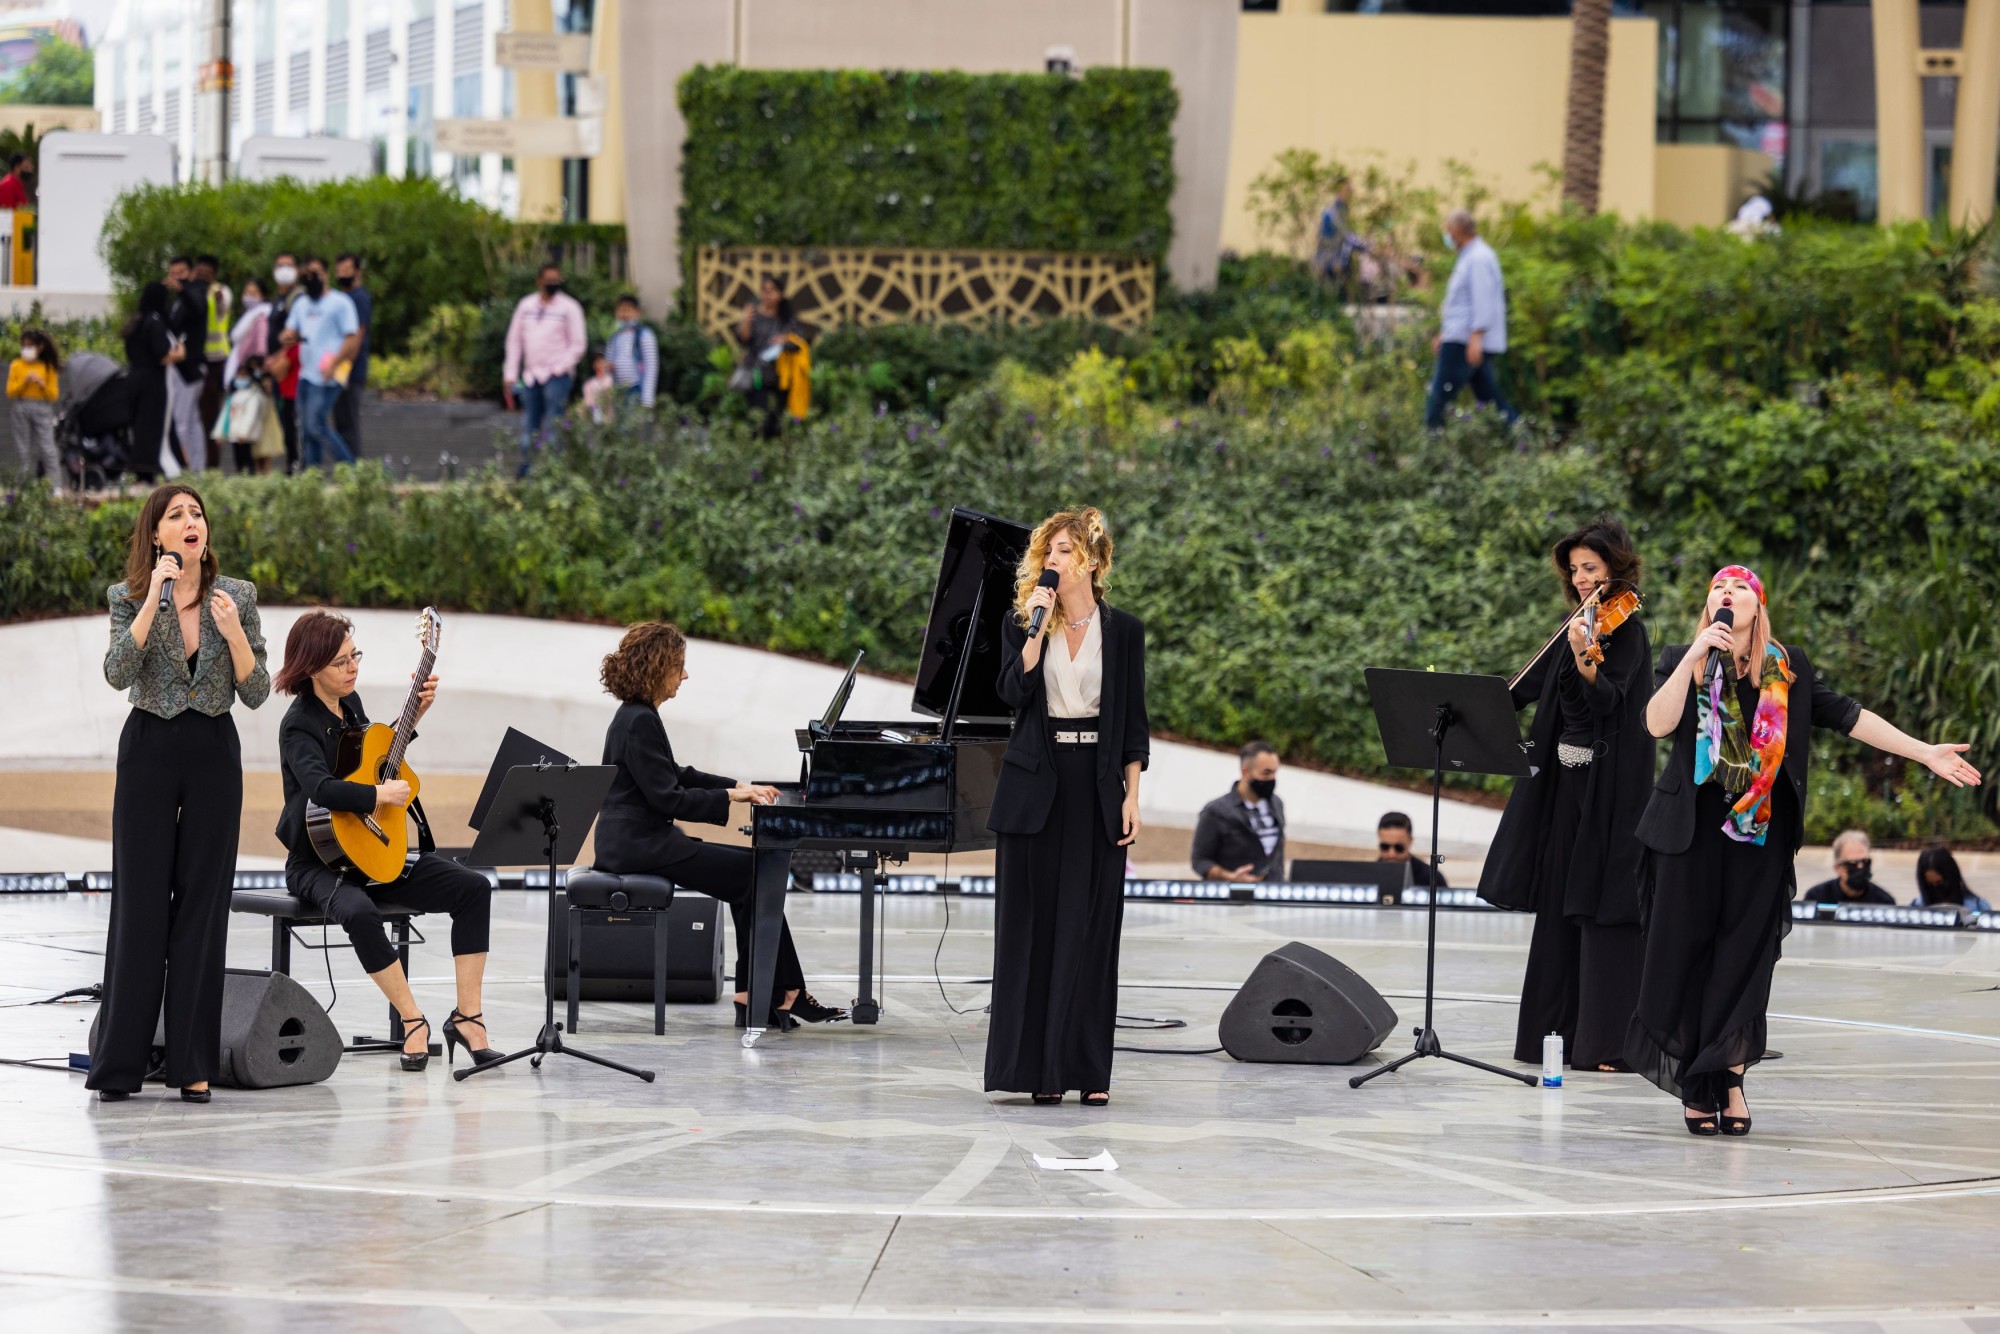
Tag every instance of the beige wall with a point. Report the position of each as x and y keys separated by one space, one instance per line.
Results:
x=1702 y=185
x=1489 y=92
x=1193 y=39
x=20 y=116
x=541 y=178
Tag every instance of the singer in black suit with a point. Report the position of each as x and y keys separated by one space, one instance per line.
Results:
x=1722 y=828
x=1566 y=848
x=187 y=643
x=1065 y=808
x=636 y=829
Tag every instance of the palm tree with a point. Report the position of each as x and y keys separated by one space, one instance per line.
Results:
x=1583 y=130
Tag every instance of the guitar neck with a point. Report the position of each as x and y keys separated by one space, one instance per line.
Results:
x=406 y=722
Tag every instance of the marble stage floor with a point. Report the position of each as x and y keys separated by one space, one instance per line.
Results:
x=857 y=1178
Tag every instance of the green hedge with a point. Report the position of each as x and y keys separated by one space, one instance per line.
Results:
x=854 y=157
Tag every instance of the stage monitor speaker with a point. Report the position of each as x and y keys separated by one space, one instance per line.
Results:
x=274 y=1033
x=1300 y=1006
x=618 y=953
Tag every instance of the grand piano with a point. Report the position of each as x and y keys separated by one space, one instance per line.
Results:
x=879 y=791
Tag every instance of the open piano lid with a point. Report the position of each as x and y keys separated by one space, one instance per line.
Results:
x=979 y=551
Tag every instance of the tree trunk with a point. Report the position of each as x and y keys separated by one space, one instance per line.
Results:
x=1583 y=130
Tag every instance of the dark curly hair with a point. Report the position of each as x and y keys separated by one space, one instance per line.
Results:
x=1613 y=545
x=636 y=669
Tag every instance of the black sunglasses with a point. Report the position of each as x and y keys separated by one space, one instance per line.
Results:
x=1392 y=847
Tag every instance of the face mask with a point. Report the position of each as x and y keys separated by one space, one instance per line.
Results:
x=285 y=274
x=1263 y=787
x=240 y=383
x=628 y=324
x=550 y=289
x=1450 y=241
x=314 y=285
x=30 y=354
x=343 y=283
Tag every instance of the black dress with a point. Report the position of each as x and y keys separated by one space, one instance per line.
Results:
x=1715 y=908
x=1566 y=849
x=1059 y=897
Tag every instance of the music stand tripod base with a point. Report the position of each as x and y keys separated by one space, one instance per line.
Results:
x=526 y=811
x=1428 y=720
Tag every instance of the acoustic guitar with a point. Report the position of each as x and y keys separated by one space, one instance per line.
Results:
x=370 y=755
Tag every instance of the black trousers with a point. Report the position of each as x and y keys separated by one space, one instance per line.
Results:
x=288 y=422
x=725 y=873
x=175 y=813
x=431 y=884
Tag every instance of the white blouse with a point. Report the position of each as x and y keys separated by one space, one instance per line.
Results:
x=1075 y=685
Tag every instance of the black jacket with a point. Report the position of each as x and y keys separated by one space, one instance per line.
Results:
x=187 y=318
x=1829 y=891
x=1224 y=837
x=1027 y=788
x=308 y=748
x=1668 y=824
x=1603 y=881
x=635 y=829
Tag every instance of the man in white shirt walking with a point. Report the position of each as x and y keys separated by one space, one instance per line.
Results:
x=1473 y=331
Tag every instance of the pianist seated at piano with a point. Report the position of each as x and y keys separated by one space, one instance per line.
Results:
x=1065 y=809
x=636 y=829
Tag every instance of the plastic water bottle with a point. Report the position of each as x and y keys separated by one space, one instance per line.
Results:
x=1552 y=1061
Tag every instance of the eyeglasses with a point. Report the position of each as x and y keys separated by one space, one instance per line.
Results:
x=1861 y=865
x=347 y=660
x=1392 y=847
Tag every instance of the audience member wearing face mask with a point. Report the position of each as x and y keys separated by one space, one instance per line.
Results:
x=1240 y=836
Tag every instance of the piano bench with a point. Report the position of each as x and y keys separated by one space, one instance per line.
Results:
x=592 y=891
x=288 y=911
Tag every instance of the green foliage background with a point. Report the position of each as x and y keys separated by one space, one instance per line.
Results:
x=855 y=157
x=60 y=75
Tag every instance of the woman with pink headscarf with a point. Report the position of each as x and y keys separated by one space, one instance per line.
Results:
x=1724 y=823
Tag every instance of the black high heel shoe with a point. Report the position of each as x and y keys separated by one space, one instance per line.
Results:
x=781 y=1020
x=1702 y=1124
x=194 y=1095
x=1737 y=1126
x=808 y=1009
x=113 y=1095
x=453 y=1039
x=418 y=1060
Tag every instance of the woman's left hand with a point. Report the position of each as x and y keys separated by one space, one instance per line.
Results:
x=1579 y=635
x=428 y=695
x=222 y=608
x=1132 y=821
x=1947 y=760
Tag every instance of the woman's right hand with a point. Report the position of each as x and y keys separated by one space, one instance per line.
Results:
x=1044 y=598
x=754 y=794
x=168 y=566
x=1716 y=636
x=391 y=794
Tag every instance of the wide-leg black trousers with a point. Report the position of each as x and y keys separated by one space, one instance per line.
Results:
x=175 y=813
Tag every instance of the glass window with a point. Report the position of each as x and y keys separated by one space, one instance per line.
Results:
x=465 y=95
x=1847 y=166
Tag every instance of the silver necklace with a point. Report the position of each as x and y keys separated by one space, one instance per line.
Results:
x=1078 y=625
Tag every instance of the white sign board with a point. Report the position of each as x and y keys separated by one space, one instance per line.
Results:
x=545 y=136
x=311 y=159
x=565 y=52
x=82 y=174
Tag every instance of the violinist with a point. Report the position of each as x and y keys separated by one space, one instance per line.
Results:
x=1565 y=849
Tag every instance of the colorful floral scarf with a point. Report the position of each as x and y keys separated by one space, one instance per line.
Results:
x=1745 y=761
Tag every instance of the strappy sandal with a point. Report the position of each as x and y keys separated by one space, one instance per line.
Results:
x=1736 y=1126
x=414 y=1061
x=1702 y=1124
x=1098 y=1099
x=1045 y=1099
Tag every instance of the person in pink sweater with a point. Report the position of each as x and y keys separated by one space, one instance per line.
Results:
x=545 y=341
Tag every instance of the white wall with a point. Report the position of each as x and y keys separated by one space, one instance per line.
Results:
x=81 y=175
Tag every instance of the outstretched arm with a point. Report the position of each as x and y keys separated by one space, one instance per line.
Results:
x=1945 y=759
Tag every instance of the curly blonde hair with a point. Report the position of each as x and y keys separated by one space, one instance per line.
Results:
x=636 y=670
x=1092 y=540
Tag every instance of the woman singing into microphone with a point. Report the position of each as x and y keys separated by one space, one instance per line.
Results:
x=1066 y=804
x=1723 y=825
x=179 y=796
x=1565 y=849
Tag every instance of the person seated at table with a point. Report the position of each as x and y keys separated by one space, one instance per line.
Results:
x=1395 y=841
x=1852 y=882
x=636 y=833
x=1240 y=836
x=1940 y=884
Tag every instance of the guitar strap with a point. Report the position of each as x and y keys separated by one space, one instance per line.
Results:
x=425 y=843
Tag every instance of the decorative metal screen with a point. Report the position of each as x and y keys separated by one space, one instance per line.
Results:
x=841 y=285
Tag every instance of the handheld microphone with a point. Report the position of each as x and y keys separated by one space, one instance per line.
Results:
x=1049 y=579
x=167 y=585
x=1723 y=616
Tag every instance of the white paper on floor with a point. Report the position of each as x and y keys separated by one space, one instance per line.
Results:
x=1102 y=1162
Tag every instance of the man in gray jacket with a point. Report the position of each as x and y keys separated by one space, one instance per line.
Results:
x=1240 y=836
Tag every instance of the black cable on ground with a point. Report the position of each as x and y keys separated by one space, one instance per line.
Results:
x=38 y=1063
x=95 y=991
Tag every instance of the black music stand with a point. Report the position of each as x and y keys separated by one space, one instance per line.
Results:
x=540 y=814
x=1429 y=720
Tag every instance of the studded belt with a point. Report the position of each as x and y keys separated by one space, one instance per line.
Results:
x=1076 y=738
x=1574 y=757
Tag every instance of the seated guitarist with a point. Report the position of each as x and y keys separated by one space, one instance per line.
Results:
x=320 y=669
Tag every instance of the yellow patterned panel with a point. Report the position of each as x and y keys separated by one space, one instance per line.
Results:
x=853 y=285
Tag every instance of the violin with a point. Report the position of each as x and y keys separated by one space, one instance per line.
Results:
x=1600 y=617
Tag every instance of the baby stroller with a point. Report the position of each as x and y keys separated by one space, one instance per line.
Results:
x=94 y=421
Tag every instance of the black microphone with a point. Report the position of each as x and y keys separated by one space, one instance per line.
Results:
x=167 y=585
x=1049 y=579
x=1723 y=616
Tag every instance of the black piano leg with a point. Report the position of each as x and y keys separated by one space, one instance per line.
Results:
x=866 y=1009
x=771 y=875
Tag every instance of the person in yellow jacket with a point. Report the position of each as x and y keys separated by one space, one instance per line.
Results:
x=34 y=382
x=795 y=374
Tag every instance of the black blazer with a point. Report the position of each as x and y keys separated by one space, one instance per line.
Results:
x=1223 y=837
x=1027 y=788
x=1668 y=824
x=308 y=748
x=635 y=828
